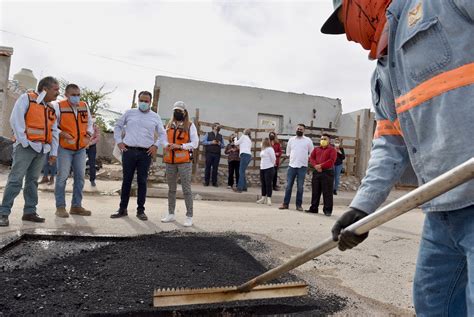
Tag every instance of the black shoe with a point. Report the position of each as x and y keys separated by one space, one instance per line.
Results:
x=215 y=185
x=335 y=192
x=328 y=214
x=205 y=184
x=314 y=211
x=93 y=183
x=142 y=216
x=299 y=208
x=119 y=214
x=4 y=221
x=32 y=217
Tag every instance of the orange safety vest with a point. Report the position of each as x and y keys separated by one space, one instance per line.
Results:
x=39 y=120
x=177 y=135
x=75 y=126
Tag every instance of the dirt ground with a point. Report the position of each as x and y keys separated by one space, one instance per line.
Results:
x=376 y=278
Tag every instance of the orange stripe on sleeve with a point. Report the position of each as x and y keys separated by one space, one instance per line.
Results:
x=387 y=127
x=456 y=78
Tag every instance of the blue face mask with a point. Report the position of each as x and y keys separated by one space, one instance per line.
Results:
x=74 y=99
x=143 y=106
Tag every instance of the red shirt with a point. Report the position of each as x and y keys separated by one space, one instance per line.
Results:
x=324 y=157
x=278 y=153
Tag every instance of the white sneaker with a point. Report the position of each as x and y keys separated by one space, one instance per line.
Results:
x=262 y=200
x=269 y=201
x=188 y=222
x=169 y=218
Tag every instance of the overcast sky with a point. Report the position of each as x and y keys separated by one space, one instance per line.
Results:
x=125 y=44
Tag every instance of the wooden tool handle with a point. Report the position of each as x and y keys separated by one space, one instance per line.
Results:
x=413 y=199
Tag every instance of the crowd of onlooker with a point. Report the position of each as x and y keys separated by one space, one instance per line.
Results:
x=325 y=161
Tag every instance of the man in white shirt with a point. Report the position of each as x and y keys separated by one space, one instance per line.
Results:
x=134 y=134
x=34 y=125
x=298 y=149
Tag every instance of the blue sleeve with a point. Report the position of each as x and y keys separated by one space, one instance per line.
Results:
x=389 y=155
x=118 y=129
x=465 y=8
x=204 y=140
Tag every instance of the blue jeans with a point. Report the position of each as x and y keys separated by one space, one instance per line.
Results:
x=244 y=163
x=27 y=163
x=135 y=159
x=444 y=277
x=337 y=175
x=299 y=174
x=66 y=160
x=49 y=169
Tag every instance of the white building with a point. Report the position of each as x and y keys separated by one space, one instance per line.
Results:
x=247 y=107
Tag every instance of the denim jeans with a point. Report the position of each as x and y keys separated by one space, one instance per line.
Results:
x=27 y=163
x=49 y=169
x=337 y=175
x=66 y=160
x=299 y=174
x=244 y=163
x=135 y=159
x=91 y=155
x=444 y=277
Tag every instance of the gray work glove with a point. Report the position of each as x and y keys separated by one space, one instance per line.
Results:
x=347 y=239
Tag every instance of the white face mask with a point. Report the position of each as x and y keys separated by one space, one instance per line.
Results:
x=337 y=144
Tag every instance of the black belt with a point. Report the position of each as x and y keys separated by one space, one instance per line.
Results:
x=136 y=148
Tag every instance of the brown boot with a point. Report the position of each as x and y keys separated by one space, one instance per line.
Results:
x=80 y=211
x=61 y=212
x=51 y=181
x=44 y=180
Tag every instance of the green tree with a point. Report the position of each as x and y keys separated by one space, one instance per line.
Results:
x=96 y=99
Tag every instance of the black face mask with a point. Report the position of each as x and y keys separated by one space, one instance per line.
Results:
x=178 y=115
x=299 y=133
x=272 y=137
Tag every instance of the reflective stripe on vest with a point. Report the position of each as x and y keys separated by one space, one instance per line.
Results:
x=387 y=127
x=453 y=79
x=35 y=131
x=76 y=126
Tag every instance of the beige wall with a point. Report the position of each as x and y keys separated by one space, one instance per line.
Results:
x=5 y=60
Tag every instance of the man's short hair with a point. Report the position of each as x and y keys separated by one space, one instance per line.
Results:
x=301 y=124
x=327 y=135
x=71 y=86
x=47 y=82
x=146 y=93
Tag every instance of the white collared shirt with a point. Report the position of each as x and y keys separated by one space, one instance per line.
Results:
x=137 y=129
x=245 y=144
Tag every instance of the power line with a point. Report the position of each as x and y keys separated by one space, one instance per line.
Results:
x=108 y=57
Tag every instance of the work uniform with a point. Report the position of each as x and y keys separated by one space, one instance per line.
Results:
x=179 y=163
x=74 y=120
x=35 y=130
x=423 y=95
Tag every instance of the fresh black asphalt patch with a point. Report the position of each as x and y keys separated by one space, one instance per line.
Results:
x=117 y=276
